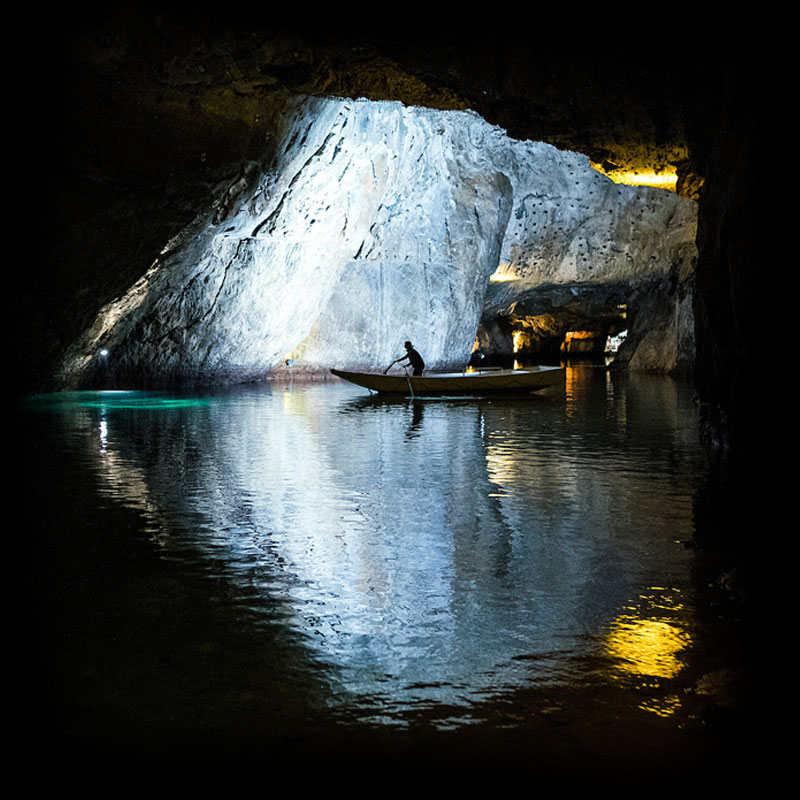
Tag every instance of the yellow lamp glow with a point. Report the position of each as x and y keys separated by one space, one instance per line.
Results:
x=663 y=179
x=500 y=275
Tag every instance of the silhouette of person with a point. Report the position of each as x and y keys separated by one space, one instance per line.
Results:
x=414 y=360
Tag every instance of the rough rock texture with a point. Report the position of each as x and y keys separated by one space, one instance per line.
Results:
x=584 y=254
x=396 y=200
x=369 y=224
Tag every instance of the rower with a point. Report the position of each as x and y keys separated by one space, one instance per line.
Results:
x=413 y=357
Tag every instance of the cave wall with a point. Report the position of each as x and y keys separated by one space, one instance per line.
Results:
x=578 y=248
x=733 y=274
x=568 y=226
x=154 y=113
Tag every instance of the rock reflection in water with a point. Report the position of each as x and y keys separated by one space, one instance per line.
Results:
x=430 y=554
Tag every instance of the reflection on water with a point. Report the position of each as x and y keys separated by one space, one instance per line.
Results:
x=425 y=557
x=646 y=644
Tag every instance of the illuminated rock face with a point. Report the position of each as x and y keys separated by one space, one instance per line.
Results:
x=372 y=223
x=387 y=203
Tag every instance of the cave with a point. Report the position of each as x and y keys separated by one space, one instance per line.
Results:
x=161 y=119
x=162 y=132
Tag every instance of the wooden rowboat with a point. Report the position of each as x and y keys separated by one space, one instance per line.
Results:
x=459 y=384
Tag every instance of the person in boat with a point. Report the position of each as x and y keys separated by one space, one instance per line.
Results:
x=414 y=360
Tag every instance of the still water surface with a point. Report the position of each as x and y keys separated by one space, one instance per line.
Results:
x=274 y=561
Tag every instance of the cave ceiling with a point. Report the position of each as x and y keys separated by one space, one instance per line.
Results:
x=145 y=91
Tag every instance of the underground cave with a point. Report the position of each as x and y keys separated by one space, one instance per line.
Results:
x=226 y=199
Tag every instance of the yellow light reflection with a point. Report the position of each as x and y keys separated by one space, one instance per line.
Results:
x=663 y=706
x=650 y=649
x=576 y=385
x=647 y=647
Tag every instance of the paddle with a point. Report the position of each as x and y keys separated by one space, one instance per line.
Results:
x=405 y=369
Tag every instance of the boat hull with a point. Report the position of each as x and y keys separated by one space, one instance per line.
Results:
x=477 y=384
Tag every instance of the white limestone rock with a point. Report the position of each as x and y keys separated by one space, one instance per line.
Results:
x=371 y=224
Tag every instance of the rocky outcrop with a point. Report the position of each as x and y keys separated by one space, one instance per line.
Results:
x=151 y=112
x=368 y=224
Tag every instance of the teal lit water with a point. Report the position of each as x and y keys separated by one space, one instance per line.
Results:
x=290 y=566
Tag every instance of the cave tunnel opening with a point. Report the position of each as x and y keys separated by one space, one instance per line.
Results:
x=547 y=339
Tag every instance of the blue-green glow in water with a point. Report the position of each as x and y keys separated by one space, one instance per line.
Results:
x=109 y=400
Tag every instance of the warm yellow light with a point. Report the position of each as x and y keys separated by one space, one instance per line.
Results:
x=500 y=275
x=664 y=179
x=655 y=179
x=647 y=647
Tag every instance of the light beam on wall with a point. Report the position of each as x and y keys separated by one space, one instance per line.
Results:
x=662 y=179
x=502 y=274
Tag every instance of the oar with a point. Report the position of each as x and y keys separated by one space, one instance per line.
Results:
x=408 y=380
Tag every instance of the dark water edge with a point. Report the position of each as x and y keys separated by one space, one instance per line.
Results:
x=93 y=690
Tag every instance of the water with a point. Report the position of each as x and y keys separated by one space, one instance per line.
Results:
x=303 y=567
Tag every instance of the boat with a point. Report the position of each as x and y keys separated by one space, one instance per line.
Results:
x=476 y=383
